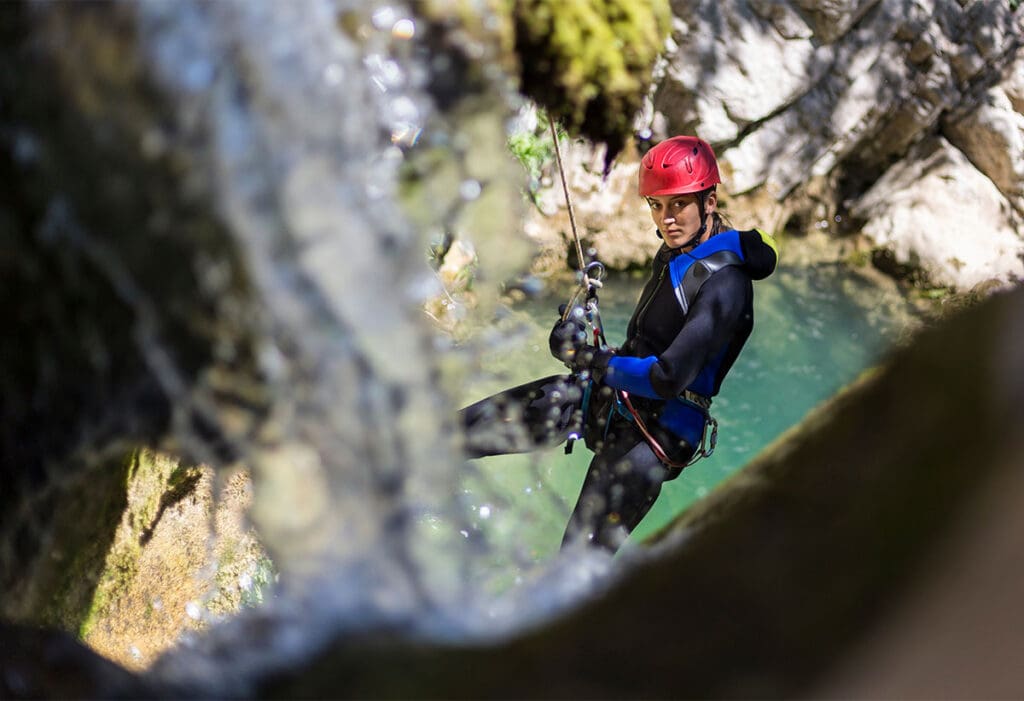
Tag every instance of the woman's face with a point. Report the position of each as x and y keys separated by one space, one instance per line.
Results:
x=678 y=217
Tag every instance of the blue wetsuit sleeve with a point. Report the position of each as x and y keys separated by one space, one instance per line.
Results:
x=723 y=304
x=631 y=374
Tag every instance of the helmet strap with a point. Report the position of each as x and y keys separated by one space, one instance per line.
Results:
x=701 y=202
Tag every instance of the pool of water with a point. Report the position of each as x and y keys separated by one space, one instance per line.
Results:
x=816 y=329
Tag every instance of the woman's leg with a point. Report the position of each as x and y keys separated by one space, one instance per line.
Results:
x=621 y=485
x=534 y=415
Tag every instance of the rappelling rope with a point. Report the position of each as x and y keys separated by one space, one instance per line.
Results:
x=588 y=284
x=568 y=200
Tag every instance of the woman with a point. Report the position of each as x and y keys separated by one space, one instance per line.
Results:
x=644 y=408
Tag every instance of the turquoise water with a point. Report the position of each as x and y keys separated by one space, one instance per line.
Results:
x=816 y=329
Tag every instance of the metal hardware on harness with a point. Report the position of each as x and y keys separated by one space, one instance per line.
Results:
x=584 y=407
x=585 y=297
x=707 y=446
x=590 y=281
x=704 y=450
x=694 y=398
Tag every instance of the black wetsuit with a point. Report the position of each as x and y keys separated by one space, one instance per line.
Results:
x=625 y=476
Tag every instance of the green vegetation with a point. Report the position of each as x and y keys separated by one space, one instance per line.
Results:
x=121 y=568
x=859 y=258
x=535 y=151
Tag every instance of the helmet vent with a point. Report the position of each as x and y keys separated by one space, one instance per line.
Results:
x=687 y=165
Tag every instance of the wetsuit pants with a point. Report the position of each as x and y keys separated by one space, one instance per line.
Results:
x=623 y=480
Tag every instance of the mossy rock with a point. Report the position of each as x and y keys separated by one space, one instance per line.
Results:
x=60 y=584
x=589 y=62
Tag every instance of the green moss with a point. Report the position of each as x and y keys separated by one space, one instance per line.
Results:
x=120 y=571
x=934 y=293
x=589 y=62
x=87 y=513
x=153 y=483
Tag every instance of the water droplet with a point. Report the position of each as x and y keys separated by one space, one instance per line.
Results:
x=404 y=110
x=384 y=17
x=470 y=189
x=198 y=74
x=485 y=511
x=333 y=74
x=193 y=610
x=405 y=134
x=26 y=148
x=403 y=29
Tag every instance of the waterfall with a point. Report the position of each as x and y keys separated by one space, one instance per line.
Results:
x=318 y=128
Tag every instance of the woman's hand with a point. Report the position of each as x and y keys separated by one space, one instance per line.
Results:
x=568 y=338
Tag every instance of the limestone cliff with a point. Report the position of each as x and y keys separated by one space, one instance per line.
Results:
x=825 y=117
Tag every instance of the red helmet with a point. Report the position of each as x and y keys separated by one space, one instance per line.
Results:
x=677 y=166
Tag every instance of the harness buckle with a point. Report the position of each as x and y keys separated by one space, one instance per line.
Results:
x=693 y=398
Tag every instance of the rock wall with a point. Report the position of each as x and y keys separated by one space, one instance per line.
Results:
x=820 y=111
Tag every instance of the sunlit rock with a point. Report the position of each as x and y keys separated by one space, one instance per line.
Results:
x=992 y=137
x=730 y=66
x=611 y=219
x=937 y=212
x=834 y=93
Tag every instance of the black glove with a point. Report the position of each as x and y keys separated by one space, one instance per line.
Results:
x=568 y=337
x=593 y=361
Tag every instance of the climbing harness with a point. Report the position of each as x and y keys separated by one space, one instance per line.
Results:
x=708 y=437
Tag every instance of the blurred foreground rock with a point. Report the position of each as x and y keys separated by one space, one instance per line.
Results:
x=871 y=552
